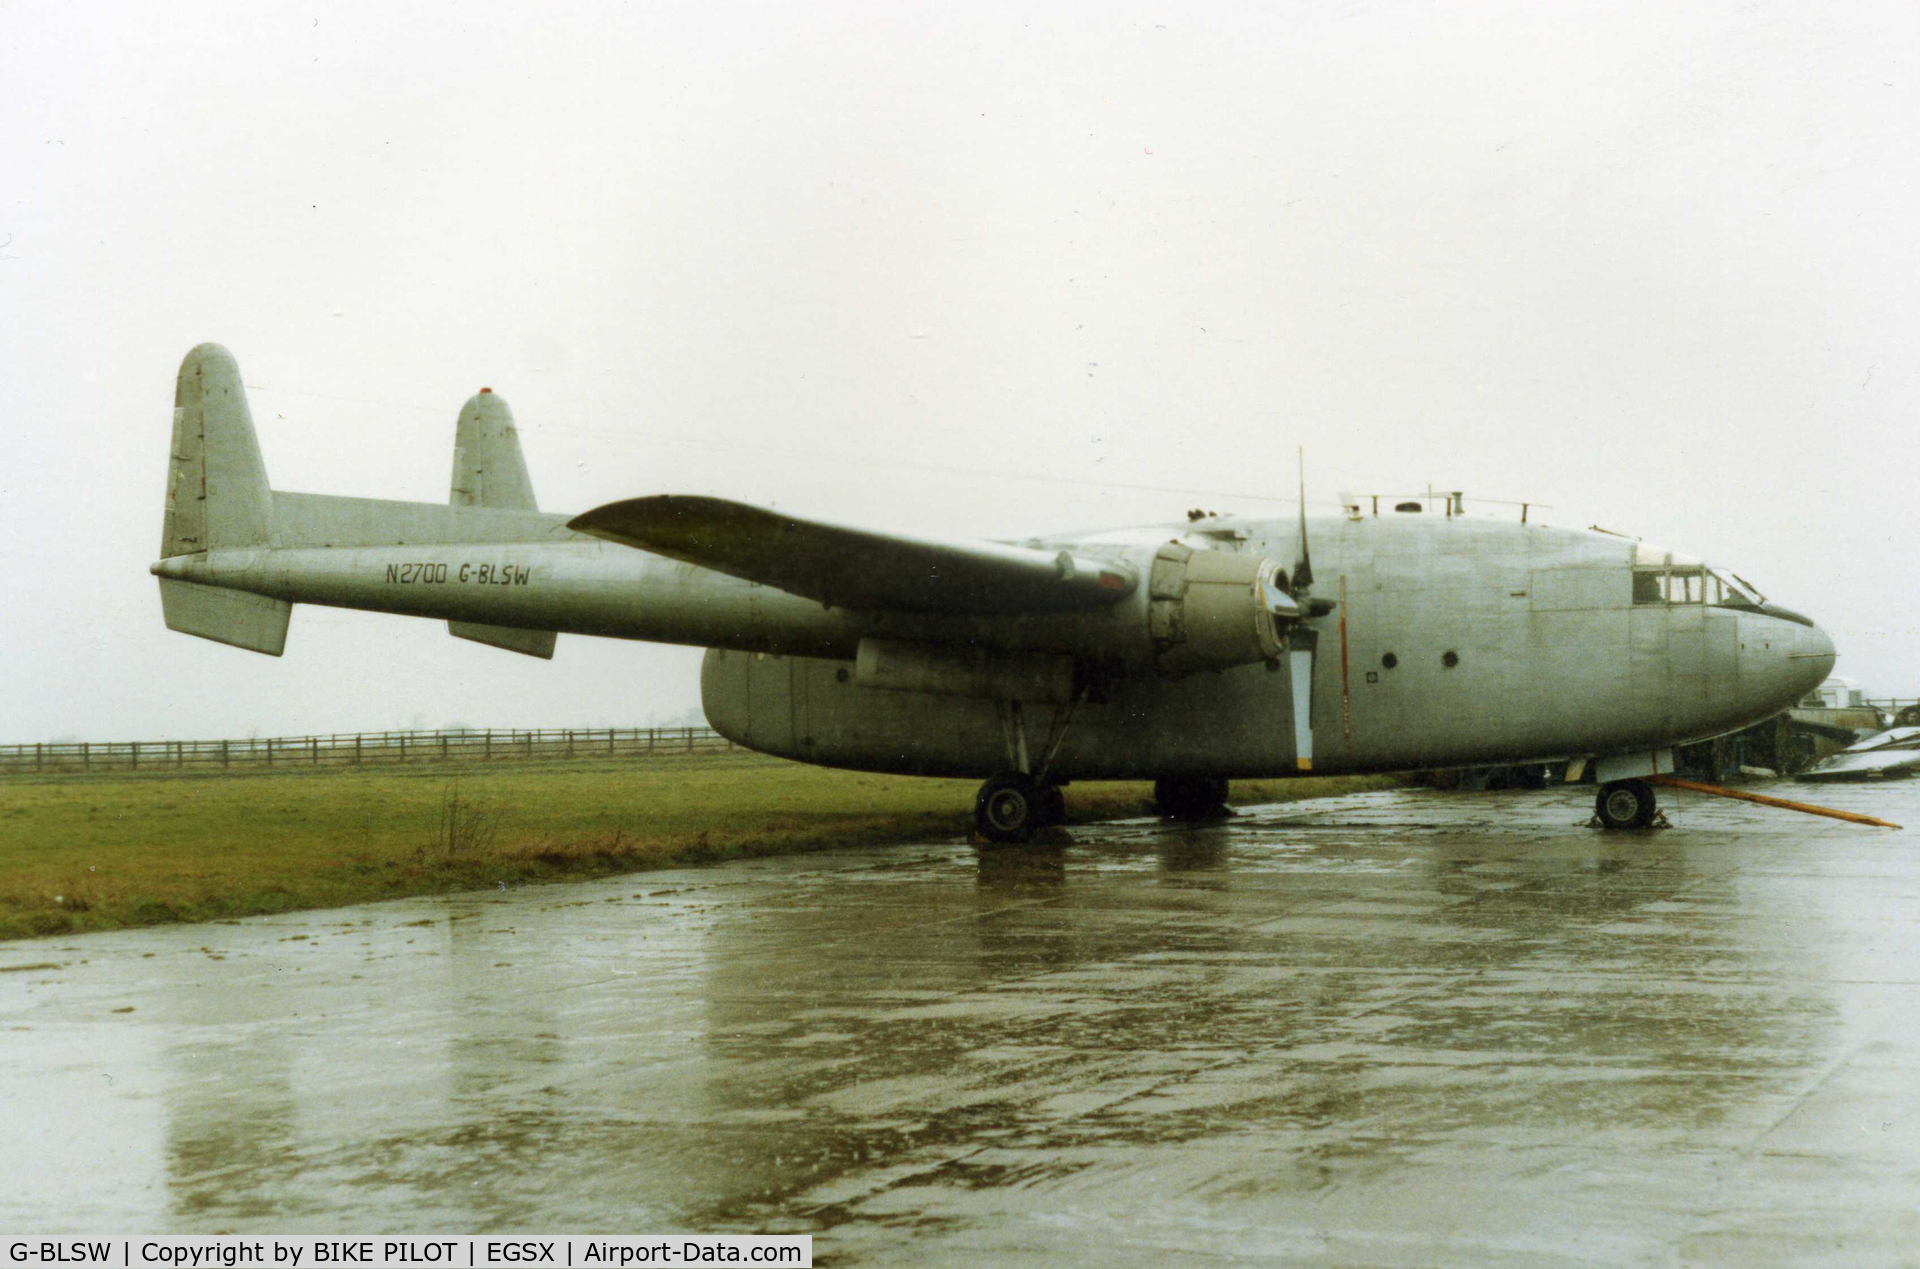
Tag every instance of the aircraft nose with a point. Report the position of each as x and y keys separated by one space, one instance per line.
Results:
x=1812 y=657
x=1783 y=658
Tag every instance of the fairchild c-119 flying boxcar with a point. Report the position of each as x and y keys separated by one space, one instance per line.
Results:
x=1188 y=654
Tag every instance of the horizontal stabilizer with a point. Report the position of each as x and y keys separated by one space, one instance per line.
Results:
x=858 y=568
x=233 y=617
x=533 y=643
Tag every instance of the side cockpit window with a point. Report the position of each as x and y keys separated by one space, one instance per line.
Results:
x=1677 y=584
x=1668 y=577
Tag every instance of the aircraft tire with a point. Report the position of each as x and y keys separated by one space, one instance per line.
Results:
x=1530 y=775
x=1191 y=798
x=1008 y=808
x=1625 y=804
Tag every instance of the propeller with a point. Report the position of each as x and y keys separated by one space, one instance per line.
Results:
x=1302 y=576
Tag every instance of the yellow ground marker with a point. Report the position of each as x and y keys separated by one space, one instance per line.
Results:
x=1782 y=803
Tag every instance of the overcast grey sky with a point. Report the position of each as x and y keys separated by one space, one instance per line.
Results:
x=946 y=269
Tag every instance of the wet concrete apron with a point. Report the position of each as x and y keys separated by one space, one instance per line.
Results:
x=1398 y=1029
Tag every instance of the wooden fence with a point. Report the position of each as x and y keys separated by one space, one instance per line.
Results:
x=360 y=747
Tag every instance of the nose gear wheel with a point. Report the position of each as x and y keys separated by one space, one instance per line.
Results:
x=1625 y=804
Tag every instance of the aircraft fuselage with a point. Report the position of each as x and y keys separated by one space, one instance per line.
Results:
x=1453 y=640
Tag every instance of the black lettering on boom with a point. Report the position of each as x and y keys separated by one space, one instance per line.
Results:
x=495 y=574
x=419 y=571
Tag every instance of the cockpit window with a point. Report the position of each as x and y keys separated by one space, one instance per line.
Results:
x=1746 y=590
x=1667 y=577
x=1677 y=584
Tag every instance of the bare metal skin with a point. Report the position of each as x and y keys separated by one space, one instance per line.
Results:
x=1180 y=650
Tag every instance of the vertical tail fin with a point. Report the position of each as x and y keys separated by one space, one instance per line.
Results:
x=488 y=468
x=489 y=471
x=217 y=500
x=217 y=494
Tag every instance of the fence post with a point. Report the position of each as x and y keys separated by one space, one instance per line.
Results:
x=133 y=757
x=569 y=742
x=39 y=754
x=316 y=751
x=269 y=751
x=86 y=756
x=443 y=746
x=179 y=756
x=486 y=751
x=356 y=748
x=609 y=740
x=226 y=755
x=529 y=744
x=689 y=740
x=403 y=746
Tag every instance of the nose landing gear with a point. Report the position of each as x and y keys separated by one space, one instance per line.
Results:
x=1625 y=804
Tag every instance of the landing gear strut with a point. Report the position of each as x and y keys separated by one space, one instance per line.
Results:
x=1191 y=798
x=1013 y=804
x=1625 y=804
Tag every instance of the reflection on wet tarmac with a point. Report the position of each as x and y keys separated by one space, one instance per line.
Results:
x=1403 y=1028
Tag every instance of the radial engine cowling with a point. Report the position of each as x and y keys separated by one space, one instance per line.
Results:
x=1211 y=610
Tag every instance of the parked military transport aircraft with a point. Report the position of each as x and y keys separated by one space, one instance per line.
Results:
x=1188 y=654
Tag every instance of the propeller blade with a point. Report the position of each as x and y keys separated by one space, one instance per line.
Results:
x=1303 y=567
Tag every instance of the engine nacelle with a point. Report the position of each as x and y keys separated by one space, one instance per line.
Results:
x=1211 y=610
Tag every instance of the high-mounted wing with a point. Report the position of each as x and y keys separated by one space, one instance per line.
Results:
x=858 y=568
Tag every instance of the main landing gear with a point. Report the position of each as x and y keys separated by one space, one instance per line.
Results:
x=1014 y=804
x=1191 y=798
x=1011 y=806
x=1625 y=804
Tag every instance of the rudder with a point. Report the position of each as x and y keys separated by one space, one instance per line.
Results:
x=233 y=617
x=217 y=494
x=490 y=471
x=217 y=499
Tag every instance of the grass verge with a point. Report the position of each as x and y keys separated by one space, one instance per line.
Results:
x=106 y=851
